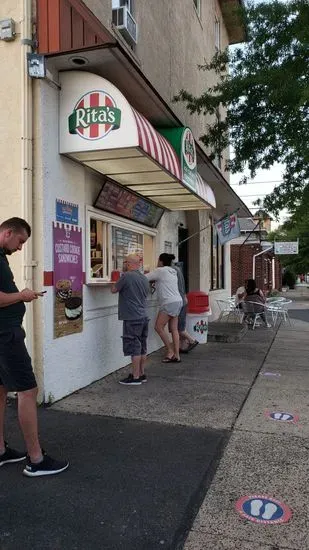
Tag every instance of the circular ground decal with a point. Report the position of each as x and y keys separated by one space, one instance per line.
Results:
x=283 y=416
x=263 y=509
x=271 y=374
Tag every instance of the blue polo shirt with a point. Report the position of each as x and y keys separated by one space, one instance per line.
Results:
x=133 y=289
x=10 y=316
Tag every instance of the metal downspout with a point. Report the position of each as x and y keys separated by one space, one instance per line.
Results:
x=255 y=256
x=26 y=162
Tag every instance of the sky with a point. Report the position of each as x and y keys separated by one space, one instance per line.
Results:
x=262 y=184
x=258 y=188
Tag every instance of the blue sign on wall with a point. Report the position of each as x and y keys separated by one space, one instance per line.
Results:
x=66 y=212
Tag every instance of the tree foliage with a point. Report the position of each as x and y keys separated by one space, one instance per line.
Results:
x=265 y=95
x=297 y=227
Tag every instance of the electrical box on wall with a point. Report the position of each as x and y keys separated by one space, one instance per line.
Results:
x=7 y=30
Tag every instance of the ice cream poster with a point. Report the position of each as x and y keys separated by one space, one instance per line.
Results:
x=68 y=279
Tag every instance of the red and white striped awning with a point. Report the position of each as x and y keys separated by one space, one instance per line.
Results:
x=205 y=191
x=156 y=146
x=101 y=130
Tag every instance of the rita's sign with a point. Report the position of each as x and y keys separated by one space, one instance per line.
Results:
x=94 y=116
x=183 y=142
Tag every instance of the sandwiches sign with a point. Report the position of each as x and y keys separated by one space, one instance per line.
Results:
x=94 y=116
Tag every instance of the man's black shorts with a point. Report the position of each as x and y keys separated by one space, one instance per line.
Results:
x=134 y=337
x=16 y=372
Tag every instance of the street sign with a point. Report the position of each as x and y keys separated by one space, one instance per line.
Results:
x=263 y=509
x=286 y=247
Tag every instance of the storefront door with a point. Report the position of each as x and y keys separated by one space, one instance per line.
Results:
x=183 y=234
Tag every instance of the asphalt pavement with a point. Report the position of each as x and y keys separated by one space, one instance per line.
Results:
x=162 y=465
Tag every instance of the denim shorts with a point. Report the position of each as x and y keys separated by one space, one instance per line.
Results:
x=16 y=372
x=134 y=337
x=172 y=308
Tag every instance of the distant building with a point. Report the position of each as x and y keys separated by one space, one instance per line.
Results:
x=252 y=256
x=264 y=218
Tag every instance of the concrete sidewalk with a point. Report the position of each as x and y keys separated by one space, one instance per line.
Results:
x=147 y=461
x=263 y=456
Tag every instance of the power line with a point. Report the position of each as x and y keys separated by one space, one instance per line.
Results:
x=248 y=196
x=253 y=182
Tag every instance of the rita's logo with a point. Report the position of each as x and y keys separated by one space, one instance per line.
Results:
x=188 y=148
x=94 y=116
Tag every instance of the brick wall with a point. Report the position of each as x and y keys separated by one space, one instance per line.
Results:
x=242 y=264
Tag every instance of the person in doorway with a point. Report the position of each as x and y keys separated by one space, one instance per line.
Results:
x=16 y=374
x=256 y=297
x=170 y=304
x=186 y=342
x=133 y=288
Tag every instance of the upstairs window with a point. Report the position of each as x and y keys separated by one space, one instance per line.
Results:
x=121 y=3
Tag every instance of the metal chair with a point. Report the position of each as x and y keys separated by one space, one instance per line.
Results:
x=273 y=299
x=253 y=312
x=279 y=311
x=227 y=308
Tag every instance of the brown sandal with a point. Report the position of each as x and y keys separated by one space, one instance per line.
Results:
x=171 y=360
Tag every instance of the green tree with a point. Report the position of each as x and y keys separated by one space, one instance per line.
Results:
x=265 y=95
x=297 y=227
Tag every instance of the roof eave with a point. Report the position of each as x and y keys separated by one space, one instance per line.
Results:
x=232 y=16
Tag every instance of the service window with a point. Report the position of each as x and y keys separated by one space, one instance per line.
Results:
x=110 y=240
x=98 y=249
x=126 y=242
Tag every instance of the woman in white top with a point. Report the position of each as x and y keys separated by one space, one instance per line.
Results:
x=240 y=296
x=170 y=304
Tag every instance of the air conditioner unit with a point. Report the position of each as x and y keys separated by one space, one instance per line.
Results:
x=119 y=3
x=126 y=24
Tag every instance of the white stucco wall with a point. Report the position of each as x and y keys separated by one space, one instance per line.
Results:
x=74 y=361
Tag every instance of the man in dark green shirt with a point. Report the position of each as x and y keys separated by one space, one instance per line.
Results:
x=16 y=372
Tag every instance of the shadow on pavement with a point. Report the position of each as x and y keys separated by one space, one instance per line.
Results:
x=132 y=485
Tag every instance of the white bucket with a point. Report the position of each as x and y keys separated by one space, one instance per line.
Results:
x=197 y=326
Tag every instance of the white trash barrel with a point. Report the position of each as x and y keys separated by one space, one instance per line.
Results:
x=197 y=326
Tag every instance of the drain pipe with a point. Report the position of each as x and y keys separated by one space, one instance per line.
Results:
x=26 y=161
x=273 y=272
x=255 y=256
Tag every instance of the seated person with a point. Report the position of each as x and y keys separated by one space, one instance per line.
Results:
x=255 y=296
x=239 y=296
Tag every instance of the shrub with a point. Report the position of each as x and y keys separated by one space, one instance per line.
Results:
x=273 y=293
x=289 y=279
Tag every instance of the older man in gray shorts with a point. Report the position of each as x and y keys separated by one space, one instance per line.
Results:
x=133 y=288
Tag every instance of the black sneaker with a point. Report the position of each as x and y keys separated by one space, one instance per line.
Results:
x=48 y=467
x=11 y=456
x=130 y=381
x=143 y=378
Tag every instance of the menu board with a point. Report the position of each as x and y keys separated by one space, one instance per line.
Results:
x=121 y=201
x=125 y=242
